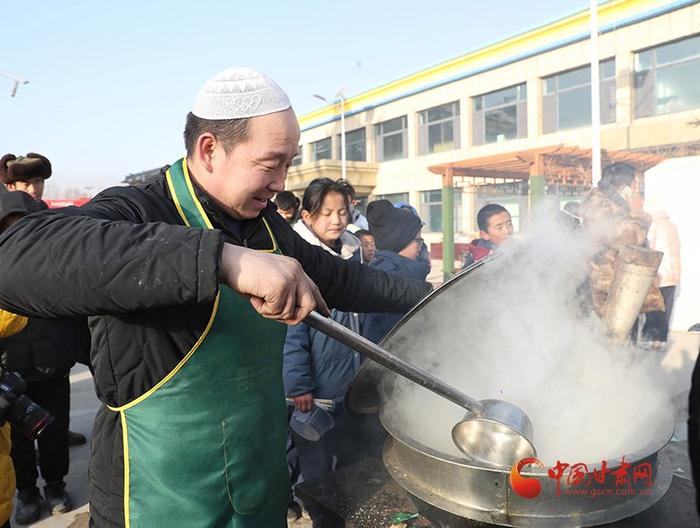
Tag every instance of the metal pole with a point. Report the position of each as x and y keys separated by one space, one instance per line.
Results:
x=448 y=225
x=16 y=80
x=595 y=97
x=394 y=363
x=342 y=137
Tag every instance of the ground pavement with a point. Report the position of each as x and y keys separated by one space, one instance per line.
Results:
x=677 y=363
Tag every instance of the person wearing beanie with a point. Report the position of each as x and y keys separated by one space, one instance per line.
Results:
x=397 y=235
x=25 y=173
x=185 y=282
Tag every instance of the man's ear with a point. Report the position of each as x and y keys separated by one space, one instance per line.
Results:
x=484 y=235
x=205 y=150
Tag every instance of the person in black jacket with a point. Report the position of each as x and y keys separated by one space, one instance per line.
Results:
x=43 y=354
x=184 y=282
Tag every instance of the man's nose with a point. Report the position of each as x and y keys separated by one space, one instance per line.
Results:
x=277 y=183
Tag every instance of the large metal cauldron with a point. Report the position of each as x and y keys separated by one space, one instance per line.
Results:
x=452 y=490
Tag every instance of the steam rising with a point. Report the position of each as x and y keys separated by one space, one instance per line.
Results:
x=515 y=330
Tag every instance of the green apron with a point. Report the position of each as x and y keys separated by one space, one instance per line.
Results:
x=206 y=446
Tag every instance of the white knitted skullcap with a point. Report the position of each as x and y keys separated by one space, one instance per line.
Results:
x=236 y=93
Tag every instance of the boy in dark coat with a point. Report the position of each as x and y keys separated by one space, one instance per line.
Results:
x=495 y=228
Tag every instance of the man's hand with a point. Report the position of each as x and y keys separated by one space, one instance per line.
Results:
x=304 y=402
x=277 y=286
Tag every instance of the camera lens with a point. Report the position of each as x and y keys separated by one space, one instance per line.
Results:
x=29 y=418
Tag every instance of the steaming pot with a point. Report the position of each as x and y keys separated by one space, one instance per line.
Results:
x=451 y=490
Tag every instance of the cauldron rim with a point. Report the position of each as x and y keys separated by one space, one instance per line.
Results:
x=389 y=425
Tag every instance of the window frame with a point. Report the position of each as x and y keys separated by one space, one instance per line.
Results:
x=379 y=137
x=314 y=151
x=480 y=111
x=646 y=88
x=608 y=84
x=424 y=128
x=347 y=144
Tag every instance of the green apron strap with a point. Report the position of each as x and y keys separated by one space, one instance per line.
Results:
x=183 y=194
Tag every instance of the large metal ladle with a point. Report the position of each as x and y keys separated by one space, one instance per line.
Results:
x=493 y=431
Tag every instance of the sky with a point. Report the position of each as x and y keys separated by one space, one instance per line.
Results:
x=110 y=83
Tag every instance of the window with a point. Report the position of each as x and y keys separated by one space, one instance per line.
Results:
x=566 y=100
x=431 y=210
x=355 y=147
x=666 y=78
x=391 y=139
x=394 y=198
x=500 y=115
x=298 y=159
x=439 y=128
x=321 y=150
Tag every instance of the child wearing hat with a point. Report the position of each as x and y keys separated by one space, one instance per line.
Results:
x=397 y=234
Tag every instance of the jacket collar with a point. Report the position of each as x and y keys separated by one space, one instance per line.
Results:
x=350 y=244
x=412 y=268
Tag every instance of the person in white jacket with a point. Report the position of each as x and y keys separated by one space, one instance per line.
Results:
x=663 y=236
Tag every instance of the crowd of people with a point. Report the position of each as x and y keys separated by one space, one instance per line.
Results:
x=211 y=410
x=180 y=286
x=42 y=352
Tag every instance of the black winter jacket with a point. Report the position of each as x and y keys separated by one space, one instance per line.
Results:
x=45 y=349
x=147 y=284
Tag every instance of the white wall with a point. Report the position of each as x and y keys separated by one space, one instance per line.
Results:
x=674 y=186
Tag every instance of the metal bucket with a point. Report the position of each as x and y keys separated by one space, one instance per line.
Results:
x=635 y=271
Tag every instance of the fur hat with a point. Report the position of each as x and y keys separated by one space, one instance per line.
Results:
x=393 y=228
x=24 y=168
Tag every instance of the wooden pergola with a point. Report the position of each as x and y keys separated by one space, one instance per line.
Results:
x=556 y=164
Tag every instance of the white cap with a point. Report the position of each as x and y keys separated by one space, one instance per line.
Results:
x=237 y=93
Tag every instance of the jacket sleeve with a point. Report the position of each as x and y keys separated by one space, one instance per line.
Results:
x=349 y=285
x=298 y=375
x=105 y=257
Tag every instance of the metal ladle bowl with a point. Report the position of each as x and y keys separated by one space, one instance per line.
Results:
x=505 y=424
x=493 y=432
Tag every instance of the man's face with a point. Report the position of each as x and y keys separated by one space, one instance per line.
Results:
x=369 y=249
x=500 y=228
x=254 y=171
x=412 y=250
x=33 y=187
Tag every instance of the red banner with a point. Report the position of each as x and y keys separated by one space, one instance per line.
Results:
x=77 y=202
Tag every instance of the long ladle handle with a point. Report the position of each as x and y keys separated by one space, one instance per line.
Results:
x=387 y=359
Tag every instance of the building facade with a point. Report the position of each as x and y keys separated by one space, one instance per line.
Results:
x=492 y=109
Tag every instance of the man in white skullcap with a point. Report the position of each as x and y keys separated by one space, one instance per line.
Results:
x=184 y=283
